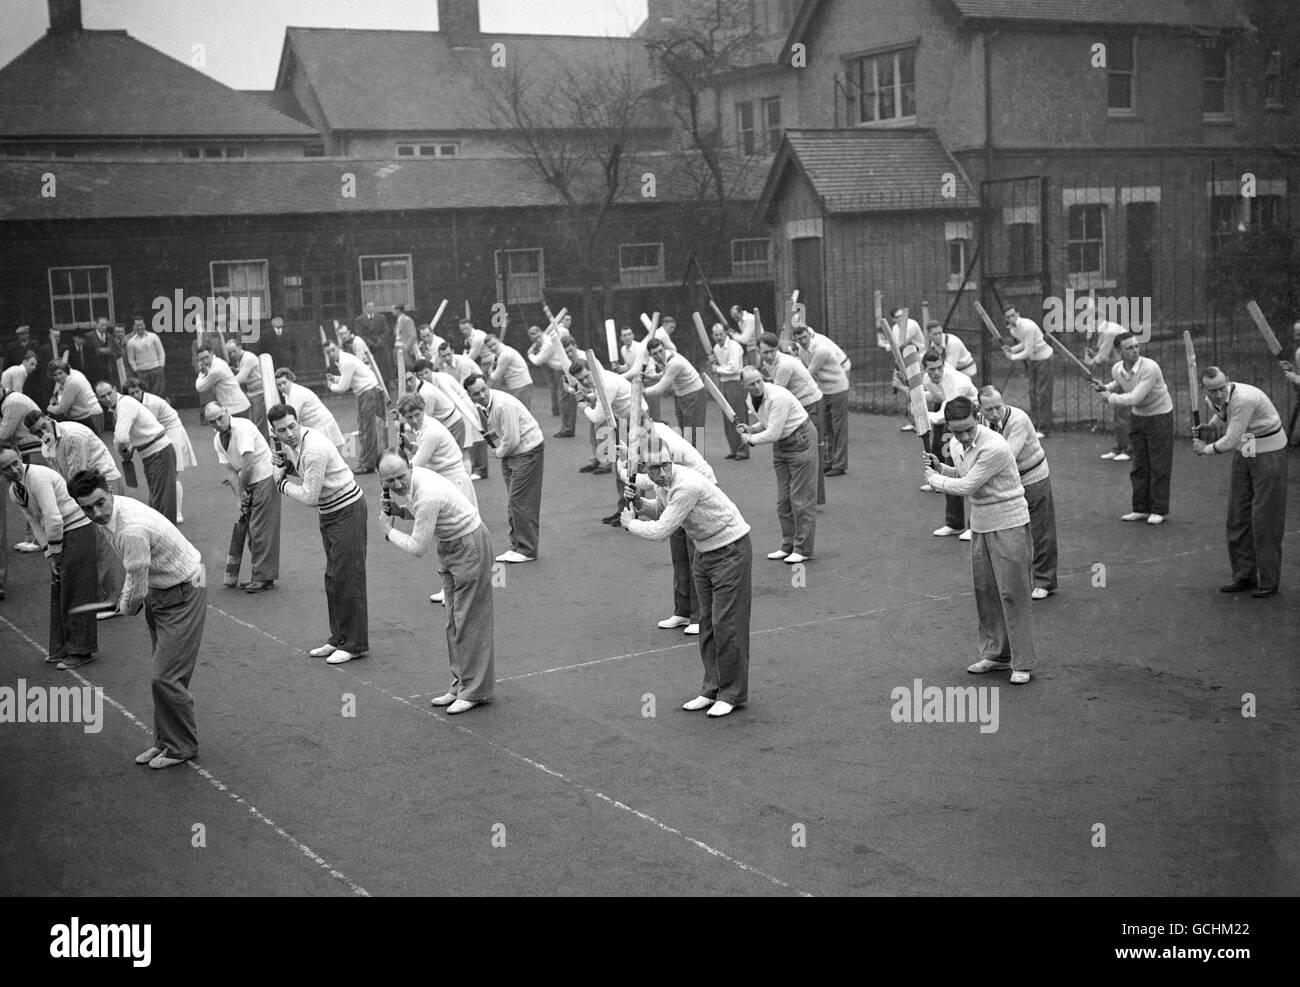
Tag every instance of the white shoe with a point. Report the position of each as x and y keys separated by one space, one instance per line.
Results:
x=438 y=597
x=476 y=476
x=945 y=531
x=794 y=558
x=1122 y=457
x=339 y=657
x=965 y=535
x=460 y=706
x=720 y=709
x=179 y=519
x=780 y=553
x=1020 y=678
x=1109 y=455
x=988 y=665
x=513 y=556
x=699 y=702
x=324 y=651
x=1156 y=519
x=1134 y=516
x=1040 y=435
x=691 y=629
x=927 y=488
x=27 y=546
x=909 y=427
x=444 y=700
x=668 y=623
x=1039 y=593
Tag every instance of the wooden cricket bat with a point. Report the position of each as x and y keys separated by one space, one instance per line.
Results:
x=718 y=312
x=1193 y=381
x=611 y=341
x=1057 y=344
x=399 y=353
x=716 y=393
x=324 y=342
x=270 y=395
x=1265 y=330
x=121 y=375
x=925 y=313
x=988 y=323
x=93 y=607
x=128 y=471
x=602 y=398
x=433 y=324
x=703 y=334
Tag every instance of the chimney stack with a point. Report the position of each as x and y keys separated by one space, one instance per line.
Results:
x=65 y=16
x=458 y=22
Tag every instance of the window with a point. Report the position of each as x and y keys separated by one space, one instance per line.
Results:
x=1086 y=240
x=745 y=127
x=1121 y=75
x=772 y=122
x=521 y=275
x=958 y=236
x=1273 y=78
x=293 y=292
x=751 y=258
x=80 y=295
x=641 y=263
x=887 y=86
x=428 y=150
x=1214 y=82
x=241 y=279
x=1231 y=215
x=212 y=152
x=386 y=281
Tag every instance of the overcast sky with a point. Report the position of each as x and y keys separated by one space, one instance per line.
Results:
x=242 y=38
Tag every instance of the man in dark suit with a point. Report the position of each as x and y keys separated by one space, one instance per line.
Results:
x=281 y=345
x=82 y=356
x=101 y=341
x=16 y=349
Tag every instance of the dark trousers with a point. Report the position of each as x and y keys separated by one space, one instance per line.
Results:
x=257 y=412
x=78 y=583
x=466 y=568
x=795 y=460
x=837 y=430
x=1000 y=565
x=160 y=475
x=685 y=600
x=370 y=419
x=1042 y=530
x=523 y=476
x=175 y=617
x=725 y=590
x=1041 y=381
x=568 y=412
x=954 y=508
x=555 y=378
x=154 y=381
x=1257 y=517
x=478 y=458
x=260 y=530
x=93 y=422
x=817 y=415
x=1152 y=438
x=343 y=533
x=734 y=392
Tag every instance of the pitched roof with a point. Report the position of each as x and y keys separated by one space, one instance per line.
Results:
x=417 y=80
x=869 y=170
x=108 y=84
x=280 y=100
x=1156 y=13
x=89 y=190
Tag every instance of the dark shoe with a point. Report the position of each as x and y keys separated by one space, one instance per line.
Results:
x=259 y=585
x=836 y=472
x=562 y=435
x=603 y=469
x=612 y=519
x=730 y=455
x=1237 y=586
x=588 y=468
x=1261 y=593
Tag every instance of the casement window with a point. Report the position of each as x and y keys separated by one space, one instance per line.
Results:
x=80 y=295
x=440 y=149
x=386 y=280
x=751 y=257
x=521 y=276
x=641 y=263
x=958 y=237
x=1214 y=82
x=745 y=127
x=886 y=86
x=1085 y=247
x=1121 y=75
x=772 y=123
x=244 y=282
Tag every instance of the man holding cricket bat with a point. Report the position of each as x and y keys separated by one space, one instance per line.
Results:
x=353 y=375
x=68 y=538
x=1139 y=384
x=165 y=576
x=507 y=370
x=1257 y=498
x=137 y=430
x=516 y=439
x=722 y=570
x=727 y=361
x=240 y=448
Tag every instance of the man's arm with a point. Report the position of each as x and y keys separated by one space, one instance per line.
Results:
x=135 y=560
x=421 y=538
x=246 y=368
x=343 y=383
x=1146 y=380
x=670 y=518
x=777 y=415
x=159 y=352
x=980 y=473
x=671 y=370
x=210 y=379
x=311 y=467
x=507 y=430
x=1238 y=420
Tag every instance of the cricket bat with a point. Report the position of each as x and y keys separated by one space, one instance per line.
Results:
x=93 y=607
x=916 y=395
x=324 y=342
x=611 y=341
x=269 y=393
x=650 y=324
x=1057 y=344
x=1265 y=330
x=121 y=374
x=717 y=395
x=128 y=470
x=988 y=323
x=1193 y=381
x=399 y=353
x=925 y=313
x=718 y=312
x=602 y=398
x=433 y=325
x=703 y=334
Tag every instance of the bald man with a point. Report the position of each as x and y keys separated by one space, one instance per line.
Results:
x=242 y=450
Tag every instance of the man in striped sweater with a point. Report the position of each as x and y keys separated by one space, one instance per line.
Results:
x=1001 y=547
x=69 y=542
x=310 y=470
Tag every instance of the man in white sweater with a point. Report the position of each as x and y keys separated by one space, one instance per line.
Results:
x=515 y=438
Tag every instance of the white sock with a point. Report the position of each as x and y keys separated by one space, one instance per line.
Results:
x=180 y=499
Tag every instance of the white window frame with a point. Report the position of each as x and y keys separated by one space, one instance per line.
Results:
x=1273 y=69
x=522 y=288
x=771 y=134
x=1091 y=278
x=636 y=276
x=1131 y=109
x=859 y=65
x=91 y=295
x=222 y=152
x=961 y=232
x=752 y=268
x=417 y=149
x=264 y=298
x=746 y=137
x=368 y=293
x=1217 y=116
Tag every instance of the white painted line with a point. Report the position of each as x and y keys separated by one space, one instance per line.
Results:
x=213 y=780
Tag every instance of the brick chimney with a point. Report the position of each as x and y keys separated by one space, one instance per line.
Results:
x=65 y=16
x=458 y=21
